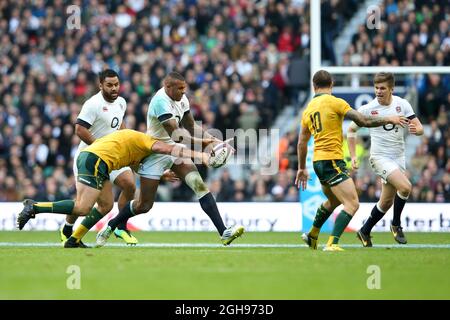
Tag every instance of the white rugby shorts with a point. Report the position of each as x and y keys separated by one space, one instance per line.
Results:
x=384 y=166
x=153 y=166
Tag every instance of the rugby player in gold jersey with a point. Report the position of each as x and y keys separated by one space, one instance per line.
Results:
x=114 y=151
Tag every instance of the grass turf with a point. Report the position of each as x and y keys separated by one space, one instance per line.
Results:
x=224 y=272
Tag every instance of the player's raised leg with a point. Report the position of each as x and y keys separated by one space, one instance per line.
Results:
x=86 y=198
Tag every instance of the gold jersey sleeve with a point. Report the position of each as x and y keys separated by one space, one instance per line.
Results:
x=324 y=116
x=122 y=148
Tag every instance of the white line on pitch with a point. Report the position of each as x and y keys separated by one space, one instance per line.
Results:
x=213 y=245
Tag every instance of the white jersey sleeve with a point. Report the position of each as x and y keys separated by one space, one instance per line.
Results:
x=88 y=112
x=409 y=112
x=160 y=108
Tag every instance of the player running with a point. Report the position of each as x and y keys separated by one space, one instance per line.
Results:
x=387 y=155
x=323 y=119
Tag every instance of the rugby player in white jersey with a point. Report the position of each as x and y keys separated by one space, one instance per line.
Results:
x=387 y=155
x=168 y=110
x=100 y=115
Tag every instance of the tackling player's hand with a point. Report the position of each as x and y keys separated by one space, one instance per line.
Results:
x=355 y=164
x=169 y=176
x=302 y=178
x=400 y=120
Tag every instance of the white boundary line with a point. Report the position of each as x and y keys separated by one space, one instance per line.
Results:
x=213 y=245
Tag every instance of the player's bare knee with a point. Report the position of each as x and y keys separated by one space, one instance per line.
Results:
x=81 y=210
x=385 y=205
x=129 y=189
x=405 y=189
x=330 y=205
x=351 y=207
x=104 y=208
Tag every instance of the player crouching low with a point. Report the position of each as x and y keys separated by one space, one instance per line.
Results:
x=114 y=151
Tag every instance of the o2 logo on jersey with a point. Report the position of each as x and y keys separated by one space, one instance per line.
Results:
x=114 y=122
x=390 y=127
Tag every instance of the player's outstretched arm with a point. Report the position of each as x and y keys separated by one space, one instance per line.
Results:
x=351 y=139
x=184 y=136
x=179 y=151
x=368 y=121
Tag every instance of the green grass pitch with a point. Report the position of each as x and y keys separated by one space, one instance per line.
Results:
x=193 y=265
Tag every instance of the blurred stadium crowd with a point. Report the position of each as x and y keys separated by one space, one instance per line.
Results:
x=243 y=61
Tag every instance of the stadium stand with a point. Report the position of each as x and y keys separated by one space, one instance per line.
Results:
x=241 y=61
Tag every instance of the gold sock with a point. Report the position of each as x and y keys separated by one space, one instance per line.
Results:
x=80 y=232
x=332 y=240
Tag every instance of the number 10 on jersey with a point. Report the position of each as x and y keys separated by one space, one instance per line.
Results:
x=316 y=123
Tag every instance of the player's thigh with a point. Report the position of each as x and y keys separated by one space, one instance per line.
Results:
x=346 y=193
x=182 y=169
x=332 y=199
x=105 y=200
x=123 y=178
x=399 y=180
x=86 y=198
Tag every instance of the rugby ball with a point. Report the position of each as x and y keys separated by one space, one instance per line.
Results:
x=219 y=155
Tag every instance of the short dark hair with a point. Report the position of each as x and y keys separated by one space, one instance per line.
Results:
x=107 y=73
x=322 y=79
x=175 y=76
x=384 y=77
